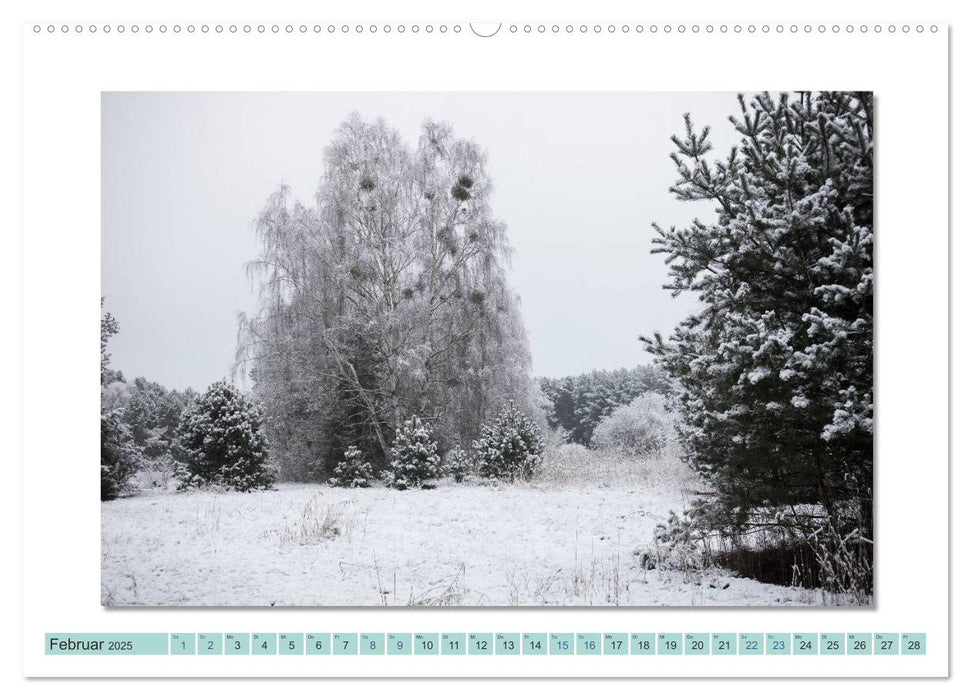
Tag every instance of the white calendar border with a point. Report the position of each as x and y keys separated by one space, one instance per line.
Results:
x=63 y=76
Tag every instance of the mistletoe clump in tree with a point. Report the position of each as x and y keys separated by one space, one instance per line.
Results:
x=414 y=456
x=222 y=438
x=776 y=370
x=511 y=448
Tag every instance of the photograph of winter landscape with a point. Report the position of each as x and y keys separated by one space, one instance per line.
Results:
x=487 y=349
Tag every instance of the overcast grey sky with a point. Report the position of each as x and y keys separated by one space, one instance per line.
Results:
x=579 y=177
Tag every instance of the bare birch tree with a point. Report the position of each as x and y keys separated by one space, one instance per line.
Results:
x=385 y=299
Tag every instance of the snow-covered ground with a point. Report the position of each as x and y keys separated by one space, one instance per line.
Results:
x=541 y=544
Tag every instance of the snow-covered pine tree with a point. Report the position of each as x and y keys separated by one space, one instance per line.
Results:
x=109 y=328
x=221 y=435
x=414 y=456
x=120 y=458
x=776 y=370
x=459 y=464
x=511 y=448
x=353 y=472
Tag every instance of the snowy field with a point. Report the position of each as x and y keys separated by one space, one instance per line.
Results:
x=459 y=544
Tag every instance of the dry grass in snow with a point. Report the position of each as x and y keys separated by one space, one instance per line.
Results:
x=567 y=538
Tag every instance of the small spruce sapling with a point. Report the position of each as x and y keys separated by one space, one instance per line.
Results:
x=414 y=456
x=353 y=472
x=510 y=448
x=459 y=465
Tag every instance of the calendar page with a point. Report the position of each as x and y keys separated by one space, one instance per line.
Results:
x=436 y=347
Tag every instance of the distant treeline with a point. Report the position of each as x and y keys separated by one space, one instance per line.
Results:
x=150 y=412
x=579 y=403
